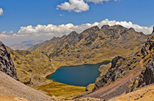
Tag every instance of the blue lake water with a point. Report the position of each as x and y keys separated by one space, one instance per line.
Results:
x=77 y=75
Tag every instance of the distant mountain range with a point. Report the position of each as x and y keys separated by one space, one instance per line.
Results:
x=25 y=44
x=94 y=45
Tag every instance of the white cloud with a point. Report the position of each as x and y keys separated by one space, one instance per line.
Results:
x=11 y=32
x=46 y=32
x=74 y=5
x=145 y=30
x=1 y=11
x=3 y=32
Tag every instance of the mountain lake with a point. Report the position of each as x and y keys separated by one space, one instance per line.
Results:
x=77 y=75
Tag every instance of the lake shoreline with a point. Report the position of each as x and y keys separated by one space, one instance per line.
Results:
x=72 y=66
x=82 y=74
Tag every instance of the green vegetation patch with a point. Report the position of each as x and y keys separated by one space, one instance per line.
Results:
x=61 y=90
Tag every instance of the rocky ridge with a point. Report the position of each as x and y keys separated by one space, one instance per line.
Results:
x=91 y=45
x=10 y=88
x=147 y=75
x=126 y=74
x=6 y=64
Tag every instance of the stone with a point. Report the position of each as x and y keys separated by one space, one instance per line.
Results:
x=6 y=64
x=132 y=66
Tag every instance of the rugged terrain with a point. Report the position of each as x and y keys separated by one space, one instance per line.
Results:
x=32 y=67
x=93 y=45
x=127 y=74
x=143 y=94
x=10 y=88
x=6 y=64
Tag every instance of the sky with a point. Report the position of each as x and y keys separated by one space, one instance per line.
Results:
x=23 y=20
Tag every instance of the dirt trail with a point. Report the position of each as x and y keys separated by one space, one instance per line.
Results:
x=119 y=86
x=141 y=63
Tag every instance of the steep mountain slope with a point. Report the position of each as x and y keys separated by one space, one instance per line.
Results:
x=126 y=74
x=6 y=64
x=32 y=67
x=10 y=88
x=143 y=94
x=93 y=45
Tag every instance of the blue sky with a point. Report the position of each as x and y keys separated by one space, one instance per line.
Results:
x=18 y=13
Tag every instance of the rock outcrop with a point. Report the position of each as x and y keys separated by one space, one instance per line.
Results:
x=127 y=74
x=147 y=75
x=6 y=64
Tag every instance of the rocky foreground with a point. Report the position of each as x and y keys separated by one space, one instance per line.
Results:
x=10 y=88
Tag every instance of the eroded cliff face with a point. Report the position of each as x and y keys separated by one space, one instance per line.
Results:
x=6 y=64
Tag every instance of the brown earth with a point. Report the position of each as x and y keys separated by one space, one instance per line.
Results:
x=13 y=90
x=143 y=94
x=11 y=98
x=118 y=87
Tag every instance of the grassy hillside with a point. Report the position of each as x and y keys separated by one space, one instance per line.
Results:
x=32 y=67
x=93 y=45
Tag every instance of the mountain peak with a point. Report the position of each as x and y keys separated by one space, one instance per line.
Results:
x=105 y=27
x=131 y=29
x=73 y=33
x=95 y=27
x=90 y=30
